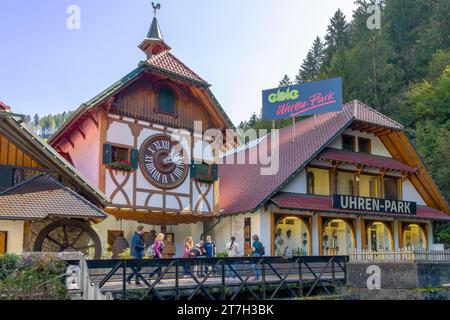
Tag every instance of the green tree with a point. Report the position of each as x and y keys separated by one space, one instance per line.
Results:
x=312 y=64
x=337 y=36
x=286 y=81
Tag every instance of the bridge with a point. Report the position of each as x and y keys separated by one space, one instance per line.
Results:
x=234 y=278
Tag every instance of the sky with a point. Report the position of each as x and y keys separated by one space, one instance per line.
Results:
x=239 y=47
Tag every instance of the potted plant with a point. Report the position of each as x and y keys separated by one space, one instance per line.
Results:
x=121 y=166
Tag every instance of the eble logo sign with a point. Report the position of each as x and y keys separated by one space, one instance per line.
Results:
x=302 y=100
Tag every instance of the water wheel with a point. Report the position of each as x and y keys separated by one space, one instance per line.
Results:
x=69 y=235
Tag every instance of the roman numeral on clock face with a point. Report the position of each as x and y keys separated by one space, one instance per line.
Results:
x=162 y=162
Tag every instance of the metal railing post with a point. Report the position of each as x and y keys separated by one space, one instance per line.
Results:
x=300 y=278
x=177 y=278
x=263 y=277
x=333 y=273
x=124 y=280
x=223 y=279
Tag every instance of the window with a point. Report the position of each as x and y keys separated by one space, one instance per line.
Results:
x=390 y=187
x=345 y=183
x=166 y=100
x=318 y=181
x=119 y=155
x=348 y=143
x=368 y=186
x=364 y=145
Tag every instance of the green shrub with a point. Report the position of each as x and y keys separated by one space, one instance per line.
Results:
x=9 y=263
x=35 y=277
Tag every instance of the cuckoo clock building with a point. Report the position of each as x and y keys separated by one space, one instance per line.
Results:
x=135 y=141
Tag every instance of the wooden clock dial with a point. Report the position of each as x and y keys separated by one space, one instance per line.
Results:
x=162 y=161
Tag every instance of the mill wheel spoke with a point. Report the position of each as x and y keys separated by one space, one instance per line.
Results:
x=66 y=236
x=77 y=238
x=53 y=240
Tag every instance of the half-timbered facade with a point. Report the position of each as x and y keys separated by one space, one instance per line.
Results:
x=137 y=141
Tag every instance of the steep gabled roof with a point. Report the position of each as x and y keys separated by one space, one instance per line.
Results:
x=163 y=62
x=42 y=197
x=168 y=63
x=244 y=189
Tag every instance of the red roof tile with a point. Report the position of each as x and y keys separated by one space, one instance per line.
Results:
x=296 y=201
x=4 y=107
x=41 y=197
x=244 y=189
x=369 y=160
x=168 y=62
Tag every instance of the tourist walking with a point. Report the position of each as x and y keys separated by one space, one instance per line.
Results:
x=137 y=250
x=158 y=248
x=257 y=251
x=210 y=252
x=232 y=251
x=188 y=245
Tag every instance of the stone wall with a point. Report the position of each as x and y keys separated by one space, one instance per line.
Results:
x=398 y=281
x=397 y=275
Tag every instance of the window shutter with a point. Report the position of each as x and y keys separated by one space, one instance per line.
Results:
x=7 y=174
x=215 y=171
x=193 y=170
x=107 y=153
x=134 y=158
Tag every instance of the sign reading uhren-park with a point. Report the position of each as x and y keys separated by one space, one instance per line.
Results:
x=355 y=203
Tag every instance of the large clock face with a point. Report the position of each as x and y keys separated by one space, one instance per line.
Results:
x=162 y=162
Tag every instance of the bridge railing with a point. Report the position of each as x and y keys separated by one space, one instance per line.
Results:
x=219 y=278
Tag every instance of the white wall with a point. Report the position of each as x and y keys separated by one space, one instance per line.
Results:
x=120 y=133
x=297 y=184
x=234 y=226
x=411 y=194
x=14 y=236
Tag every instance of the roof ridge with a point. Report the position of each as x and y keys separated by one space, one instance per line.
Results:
x=362 y=104
x=167 y=52
x=20 y=184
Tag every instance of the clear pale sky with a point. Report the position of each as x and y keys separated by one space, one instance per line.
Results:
x=240 y=47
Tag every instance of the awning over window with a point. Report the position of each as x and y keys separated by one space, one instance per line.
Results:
x=364 y=159
x=296 y=201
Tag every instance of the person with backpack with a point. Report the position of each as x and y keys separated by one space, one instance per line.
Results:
x=232 y=251
x=209 y=248
x=137 y=250
x=258 y=250
x=156 y=251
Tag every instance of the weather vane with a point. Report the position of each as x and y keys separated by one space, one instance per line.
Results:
x=156 y=7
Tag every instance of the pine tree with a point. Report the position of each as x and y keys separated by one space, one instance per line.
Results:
x=286 y=81
x=338 y=35
x=311 y=66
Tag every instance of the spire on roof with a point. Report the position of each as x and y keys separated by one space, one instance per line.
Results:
x=154 y=42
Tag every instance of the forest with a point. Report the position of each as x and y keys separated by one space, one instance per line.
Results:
x=401 y=69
